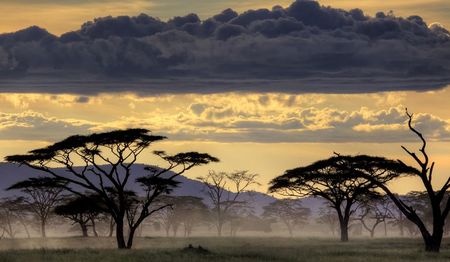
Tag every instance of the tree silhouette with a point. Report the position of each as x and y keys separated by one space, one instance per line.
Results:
x=289 y=211
x=190 y=212
x=335 y=180
x=328 y=216
x=13 y=211
x=373 y=212
x=106 y=161
x=42 y=195
x=224 y=190
x=81 y=210
x=438 y=200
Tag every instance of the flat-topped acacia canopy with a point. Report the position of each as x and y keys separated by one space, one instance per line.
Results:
x=138 y=136
x=342 y=170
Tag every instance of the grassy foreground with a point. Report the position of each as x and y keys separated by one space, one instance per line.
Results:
x=225 y=249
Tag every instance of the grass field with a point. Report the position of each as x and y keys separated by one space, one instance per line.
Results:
x=225 y=249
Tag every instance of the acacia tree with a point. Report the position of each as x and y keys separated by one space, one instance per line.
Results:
x=224 y=191
x=106 y=161
x=334 y=180
x=238 y=215
x=42 y=195
x=81 y=210
x=190 y=211
x=438 y=199
x=289 y=211
x=12 y=212
x=166 y=217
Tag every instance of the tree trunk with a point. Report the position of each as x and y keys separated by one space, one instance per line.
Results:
x=111 y=227
x=120 y=235
x=94 y=228
x=130 y=238
x=219 y=228
x=26 y=228
x=432 y=243
x=84 y=229
x=401 y=221
x=43 y=233
x=343 y=223
x=167 y=229
x=344 y=232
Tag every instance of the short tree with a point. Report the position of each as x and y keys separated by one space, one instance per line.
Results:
x=13 y=211
x=42 y=194
x=373 y=212
x=327 y=216
x=289 y=211
x=190 y=211
x=106 y=162
x=81 y=210
x=224 y=190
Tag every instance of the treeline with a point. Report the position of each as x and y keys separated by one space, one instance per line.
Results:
x=95 y=189
x=43 y=204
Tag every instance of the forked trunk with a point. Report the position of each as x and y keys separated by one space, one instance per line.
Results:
x=94 y=228
x=130 y=238
x=343 y=223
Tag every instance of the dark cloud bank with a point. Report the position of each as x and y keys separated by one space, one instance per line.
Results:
x=304 y=47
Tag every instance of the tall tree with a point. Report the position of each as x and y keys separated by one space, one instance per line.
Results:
x=224 y=190
x=42 y=194
x=106 y=161
x=332 y=179
x=289 y=211
x=438 y=199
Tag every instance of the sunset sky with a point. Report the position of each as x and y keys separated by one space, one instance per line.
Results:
x=264 y=129
x=66 y=15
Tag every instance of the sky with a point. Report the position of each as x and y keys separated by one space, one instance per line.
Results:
x=265 y=133
x=59 y=16
x=265 y=91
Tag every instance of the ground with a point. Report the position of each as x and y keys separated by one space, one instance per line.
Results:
x=224 y=249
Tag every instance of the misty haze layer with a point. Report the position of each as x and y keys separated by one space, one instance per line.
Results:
x=304 y=47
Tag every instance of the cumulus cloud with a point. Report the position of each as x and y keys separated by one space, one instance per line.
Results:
x=312 y=125
x=31 y=125
x=301 y=48
x=234 y=117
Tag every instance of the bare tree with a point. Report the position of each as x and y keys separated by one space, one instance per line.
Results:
x=42 y=195
x=224 y=191
x=373 y=212
x=438 y=200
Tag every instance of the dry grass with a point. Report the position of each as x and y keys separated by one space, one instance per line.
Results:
x=222 y=249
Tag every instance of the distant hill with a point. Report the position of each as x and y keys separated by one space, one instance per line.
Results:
x=12 y=173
